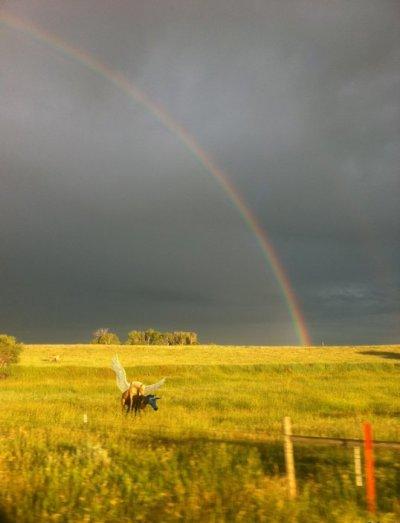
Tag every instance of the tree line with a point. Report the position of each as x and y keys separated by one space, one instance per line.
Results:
x=146 y=337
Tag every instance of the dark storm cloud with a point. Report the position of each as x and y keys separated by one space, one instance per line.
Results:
x=107 y=219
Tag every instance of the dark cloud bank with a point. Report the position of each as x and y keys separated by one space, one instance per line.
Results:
x=107 y=220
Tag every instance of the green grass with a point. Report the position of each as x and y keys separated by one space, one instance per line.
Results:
x=213 y=451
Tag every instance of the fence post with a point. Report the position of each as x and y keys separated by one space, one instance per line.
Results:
x=289 y=458
x=369 y=469
x=357 y=466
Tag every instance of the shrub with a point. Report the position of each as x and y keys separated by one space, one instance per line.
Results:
x=105 y=337
x=9 y=353
x=185 y=338
x=154 y=337
x=136 y=338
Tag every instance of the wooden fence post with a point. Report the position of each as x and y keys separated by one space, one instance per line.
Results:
x=357 y=466
x=289 y=458
x=369 y=469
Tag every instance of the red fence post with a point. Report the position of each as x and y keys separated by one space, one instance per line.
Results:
x=369 y=469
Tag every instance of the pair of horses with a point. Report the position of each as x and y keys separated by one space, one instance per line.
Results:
x=137 y=402
x=135 y=395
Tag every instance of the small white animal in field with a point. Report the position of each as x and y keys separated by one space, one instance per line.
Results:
x=134 y=394
x=56 y=359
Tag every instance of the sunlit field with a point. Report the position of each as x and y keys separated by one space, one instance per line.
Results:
x=213 y=451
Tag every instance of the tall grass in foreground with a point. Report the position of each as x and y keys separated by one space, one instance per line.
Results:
x=199 y=458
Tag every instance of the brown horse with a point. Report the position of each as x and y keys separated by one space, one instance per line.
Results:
x=131 y=396
x=135 y=395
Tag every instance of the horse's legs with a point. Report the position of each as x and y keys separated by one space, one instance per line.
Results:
x=138 y=402
x=126 y=402
x=130 y=404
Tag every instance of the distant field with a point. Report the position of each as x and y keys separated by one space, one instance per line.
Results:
x=100 y=356
x=212 y=452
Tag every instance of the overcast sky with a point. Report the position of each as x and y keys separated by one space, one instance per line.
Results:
x=107 y=220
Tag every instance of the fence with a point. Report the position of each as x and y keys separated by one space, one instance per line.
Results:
x=289 y=439
x=368 y=443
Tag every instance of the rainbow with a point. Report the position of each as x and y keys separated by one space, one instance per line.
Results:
x=159 y=112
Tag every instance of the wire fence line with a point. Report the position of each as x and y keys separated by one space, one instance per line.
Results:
x=257 y=436
x=344 y=442
x=367 y=443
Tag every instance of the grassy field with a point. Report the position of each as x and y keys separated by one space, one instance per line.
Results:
x=212 y=452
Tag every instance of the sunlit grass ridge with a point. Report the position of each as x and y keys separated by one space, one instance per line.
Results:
x=212 y=452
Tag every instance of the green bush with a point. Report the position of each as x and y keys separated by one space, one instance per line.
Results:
x=136 y=338
x=185 y=338
x=9 y=352
x=105 y=337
